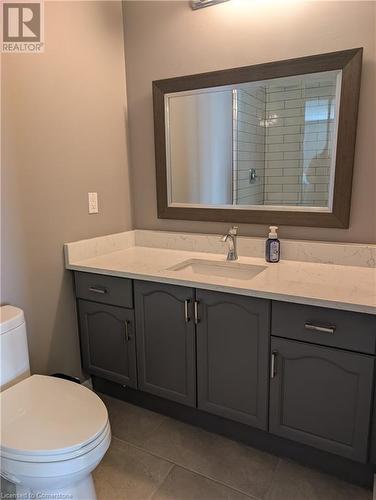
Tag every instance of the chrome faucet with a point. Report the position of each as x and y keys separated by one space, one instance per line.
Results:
x=230 y=237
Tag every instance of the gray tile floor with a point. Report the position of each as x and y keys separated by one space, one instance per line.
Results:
x=153 y=457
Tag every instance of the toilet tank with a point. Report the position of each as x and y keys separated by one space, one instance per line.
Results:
x=14 y=354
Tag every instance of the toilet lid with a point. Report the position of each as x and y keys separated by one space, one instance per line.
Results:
x=46 y=416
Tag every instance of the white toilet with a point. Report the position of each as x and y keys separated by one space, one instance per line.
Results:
x=53 y=432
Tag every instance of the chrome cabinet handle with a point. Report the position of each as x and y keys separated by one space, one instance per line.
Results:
x=97 y=289
x=322 y=329
x=197 y=320
x=273 y=364
x=186 y=314
x=126 y=328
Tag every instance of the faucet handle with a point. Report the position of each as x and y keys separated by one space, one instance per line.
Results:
x=233 y=230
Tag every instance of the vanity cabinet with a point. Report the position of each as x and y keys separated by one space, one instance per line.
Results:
x=108 y=342
x=300 y=372
x=321 y=397
x=166 y=344
x=233 y=356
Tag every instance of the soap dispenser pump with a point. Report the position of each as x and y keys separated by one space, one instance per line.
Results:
x=273 y=246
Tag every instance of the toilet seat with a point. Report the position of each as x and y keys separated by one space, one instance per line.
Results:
x=20 y=456
x=36 y=426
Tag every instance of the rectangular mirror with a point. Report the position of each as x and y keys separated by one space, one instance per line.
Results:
x=270 y=143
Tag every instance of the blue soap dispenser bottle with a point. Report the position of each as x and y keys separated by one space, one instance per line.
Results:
x=273 y=246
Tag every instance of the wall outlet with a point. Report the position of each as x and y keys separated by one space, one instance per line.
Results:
x=93 y=203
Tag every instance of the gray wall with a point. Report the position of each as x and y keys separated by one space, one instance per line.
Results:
x=63 y=134
x=232 y=34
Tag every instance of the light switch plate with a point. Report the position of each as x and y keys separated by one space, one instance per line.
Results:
x=93 y=203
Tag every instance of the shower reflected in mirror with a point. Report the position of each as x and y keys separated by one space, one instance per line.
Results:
x=267 y=143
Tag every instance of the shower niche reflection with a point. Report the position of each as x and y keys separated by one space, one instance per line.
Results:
x=269 y=143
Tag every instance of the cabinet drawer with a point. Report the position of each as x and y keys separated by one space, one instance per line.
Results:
x=319 y=325
x=104 y=289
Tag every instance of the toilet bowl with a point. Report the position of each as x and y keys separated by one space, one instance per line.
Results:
x=53 y=432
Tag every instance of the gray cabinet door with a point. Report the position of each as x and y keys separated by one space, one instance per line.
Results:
x=108 y=344
x=233 y=356
x=373 y=435
x=321 y=397
x=166 y=341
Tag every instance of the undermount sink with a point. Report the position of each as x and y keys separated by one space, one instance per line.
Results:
x=219 y=269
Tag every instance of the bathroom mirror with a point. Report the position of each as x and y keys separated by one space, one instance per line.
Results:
x=271 y=143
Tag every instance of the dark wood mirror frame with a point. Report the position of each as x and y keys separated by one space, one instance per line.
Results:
x=349 y=61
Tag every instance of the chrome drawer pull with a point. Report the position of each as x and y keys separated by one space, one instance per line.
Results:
x=197 y=320
x=126 y=327
x=322 y=329
x=98 y=290
x=273 y=364
x=186 y=315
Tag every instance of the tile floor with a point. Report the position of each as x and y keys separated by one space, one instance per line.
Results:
x=153 y=457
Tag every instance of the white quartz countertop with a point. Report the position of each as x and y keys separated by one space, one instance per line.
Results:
x=346 y=287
